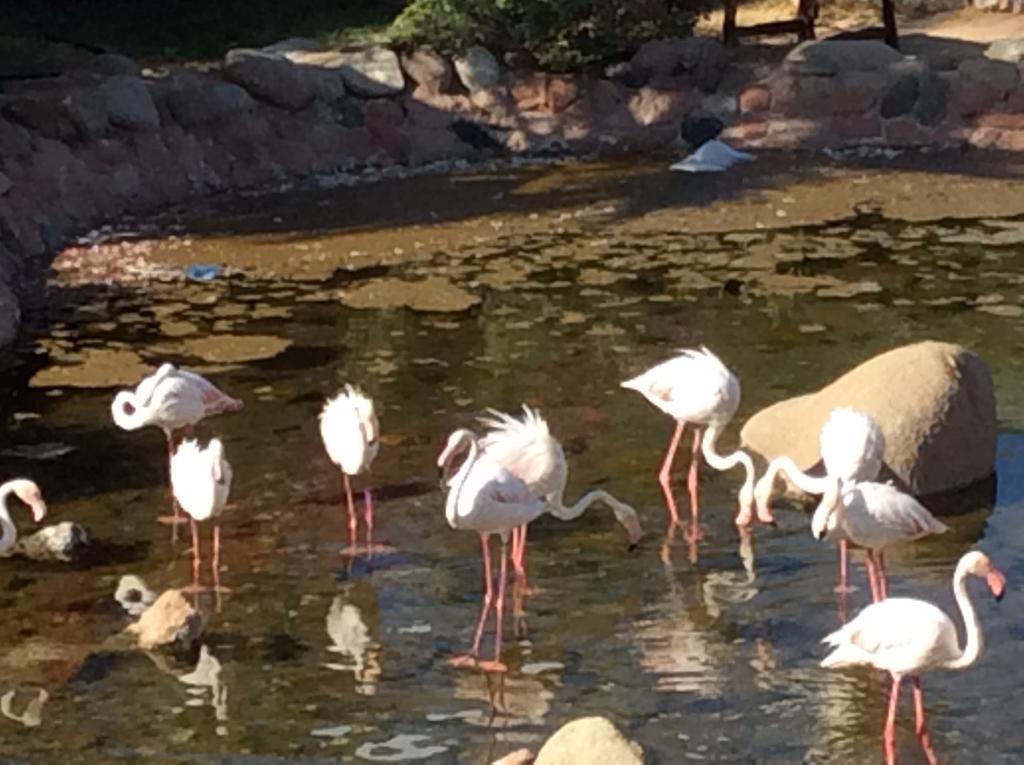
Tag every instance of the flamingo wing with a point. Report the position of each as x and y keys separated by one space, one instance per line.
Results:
x=526 y=449
x=879 y=514
x=343 y=435
x=214 y=400
x=192 y=480
x=695 y=386
x=852 y=445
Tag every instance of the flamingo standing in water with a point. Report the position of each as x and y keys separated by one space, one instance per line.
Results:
x=350 y=431
x=873 y=516
x=201 y=482
x=526 y=449
x=486 y=498
x=852 y=449
x=697 y=387
x=28 y=492
x=906 y=636
x=170 y=399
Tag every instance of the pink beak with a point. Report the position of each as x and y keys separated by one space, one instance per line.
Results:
x=996 y=582
x=633 y=530
x=38 y=511
x=764 y=513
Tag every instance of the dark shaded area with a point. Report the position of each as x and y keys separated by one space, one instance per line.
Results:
x=183 y=29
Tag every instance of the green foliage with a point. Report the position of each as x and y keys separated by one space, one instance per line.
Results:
x=563 y=35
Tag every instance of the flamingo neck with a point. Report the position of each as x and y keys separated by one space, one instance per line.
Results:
x=728 y=461
x=10 y=531
x=458 y=481
x=806 y=483
x=624 y=514
x=975 y=641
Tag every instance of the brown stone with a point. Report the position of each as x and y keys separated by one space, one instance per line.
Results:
x=589 y=741
x=170 y=621
x=856 y=93
x=967 y=99
x=429 y=70
x=652 y=107
x=934 y=403
x=745 y=133
x=1010 y=140
x=531 y=92
x=754 y=99
x=393 y=140
x=1001 y=120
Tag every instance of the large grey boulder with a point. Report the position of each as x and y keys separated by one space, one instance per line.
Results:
x=64 y=542
x=478 y=69
x=371 y=72
x=128 y=103
x=826 y=58
x=934 y=402
x=202 y=101
x=984 y=72
x=589 y=741
x=703 y=58
x=270 y=77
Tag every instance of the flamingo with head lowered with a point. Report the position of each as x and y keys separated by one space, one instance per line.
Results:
x=852 y=449
x=527 y=450
x=28 y=492
x=696 y=387
x=486 y=497
x=171 y=399
x=906 y=636
x=201 y=482
x=873 y=516
x=350 y=431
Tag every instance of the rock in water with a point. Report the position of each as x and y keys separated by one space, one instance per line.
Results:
x=133 y=594
x=589 y=741
x=64 y=542
x=934 y=402
x=170 y=622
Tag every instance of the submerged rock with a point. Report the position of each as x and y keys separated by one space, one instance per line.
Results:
x=65 y=542
x=171 y=622
x=93 y=368
x=590 y=741
x=433 y=294
x=934 y=402
x=228 y=348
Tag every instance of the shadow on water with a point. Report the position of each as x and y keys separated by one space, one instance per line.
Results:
x=316 y=657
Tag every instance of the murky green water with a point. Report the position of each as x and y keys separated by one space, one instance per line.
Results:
x=704 y=661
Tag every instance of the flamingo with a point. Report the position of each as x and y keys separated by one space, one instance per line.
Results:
x=526 y=449
x=486 y=498
x=873 y=516
x=201 y=482
x=349 y=428
x=171 y=399
x=852 y=449
x=906 y=636
x=28 y=492
x=697 y=387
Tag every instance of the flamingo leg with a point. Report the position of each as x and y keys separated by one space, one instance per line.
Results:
x=469 y=660
x=519 y=553
x=195 y=555
x=692 y=484
x=919 y=725
x=872 y=566
x=883 y=588
x=889 y=735
x=844 y=566
x=665 y=474
x=347 y=487
x=499 y=614
x=368 y=517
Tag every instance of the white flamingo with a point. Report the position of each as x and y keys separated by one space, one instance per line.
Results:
x=906 y=636
x=697 y=387
x=350 y=431
x=170 y=399
x=526 y=449
x=852 y=449
x=873 y=516
x=201 y=482
x=486 y=498
x=28 y=492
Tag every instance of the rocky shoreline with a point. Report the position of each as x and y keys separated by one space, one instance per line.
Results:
x=105 y=137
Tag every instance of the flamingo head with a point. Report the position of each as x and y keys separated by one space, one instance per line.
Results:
x=28 y=492
x=979 y=564
x=125 y=411
x=763 y=498
x=454 y=453
x=826 y=515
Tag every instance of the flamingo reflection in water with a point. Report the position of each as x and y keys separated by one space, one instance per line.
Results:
x=907 y=636
x=696 y=387
x=352 y=638
x=171 y=399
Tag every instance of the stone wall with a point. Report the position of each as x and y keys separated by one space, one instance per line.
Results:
x=104 y=137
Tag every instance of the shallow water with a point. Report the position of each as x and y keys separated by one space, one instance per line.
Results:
x=324 y=659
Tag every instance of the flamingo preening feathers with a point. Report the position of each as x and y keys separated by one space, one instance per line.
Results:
x=696 y=387
x=28 y=492
x=852 y=449
x=350 y=431
x=906 y=636
x=201 y=482
x=171 y=399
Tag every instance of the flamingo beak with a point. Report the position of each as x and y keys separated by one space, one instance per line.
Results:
x=38 y=508
x=633 y=531
x=996 y=582
x=764 y=514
